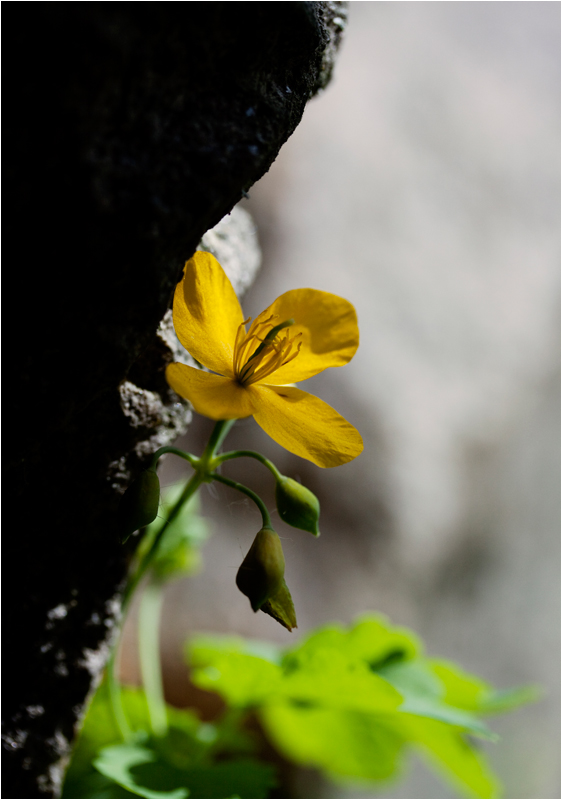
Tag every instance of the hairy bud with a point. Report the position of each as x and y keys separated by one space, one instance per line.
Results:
x=261 y=573
x=297 y=505
x=139 y=504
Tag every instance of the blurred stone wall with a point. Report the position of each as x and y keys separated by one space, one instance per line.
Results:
x=423 y=186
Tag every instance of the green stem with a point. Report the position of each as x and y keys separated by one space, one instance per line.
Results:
x=218 y=436
x=115 y=699
x=191 y=487
x=203 y=467
x=202 y=475
x=193 y=484
x=250 y=454
x=252 y=495
x=163 y=450
x=149 y=656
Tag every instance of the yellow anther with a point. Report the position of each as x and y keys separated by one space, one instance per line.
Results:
x=276 y=347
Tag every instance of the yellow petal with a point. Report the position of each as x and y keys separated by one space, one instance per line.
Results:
x=211 y=395
x=329 y=333
x=305 y=425
x=207 y=313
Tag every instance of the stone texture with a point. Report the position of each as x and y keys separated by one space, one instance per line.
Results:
x=161 y=415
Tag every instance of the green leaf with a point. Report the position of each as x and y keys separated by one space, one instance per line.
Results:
x=202 y=647
x=351 y=702
x=371 y=639
x=96 y=786
x=374 y=639
x=509 y=699
x=312 y=675
x=328 y=678
x=452 y=755
x=236 y=778
x=117 y=762
x=148 y=772
x=423 y=695
x=460 y=689
x=242 y=680
x=472 y=693
x=342 y=743
x=186 y=757
x=98 y=730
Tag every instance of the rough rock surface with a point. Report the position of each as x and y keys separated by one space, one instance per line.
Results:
x=161 y=415
x=133 y=128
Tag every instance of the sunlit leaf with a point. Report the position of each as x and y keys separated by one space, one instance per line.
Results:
x=509 y=699
x=342 y=743
x=242 y=680
x=472 y=693
x=423 y=695
x=371 y=639
x=329 y=679
x=449 y=751
x=353 y=701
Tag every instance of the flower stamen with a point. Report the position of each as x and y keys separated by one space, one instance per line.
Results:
x=275 y=349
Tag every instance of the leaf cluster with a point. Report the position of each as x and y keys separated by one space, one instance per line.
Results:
x=352 y=703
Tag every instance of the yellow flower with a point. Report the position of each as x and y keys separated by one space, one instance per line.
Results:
x=301 y=334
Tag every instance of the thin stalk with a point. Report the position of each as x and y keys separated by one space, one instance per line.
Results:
x=174 y=450
x=217 y=437
x=149 y=656
x=191 y=487
x=202 y=475
x=115 y=699
x=114 y=688
x=204 y=467
x=249 y=454
x=249 y=493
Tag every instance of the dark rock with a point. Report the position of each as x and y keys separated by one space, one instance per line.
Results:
x=132 y=128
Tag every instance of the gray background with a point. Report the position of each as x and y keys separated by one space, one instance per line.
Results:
x=423 y=186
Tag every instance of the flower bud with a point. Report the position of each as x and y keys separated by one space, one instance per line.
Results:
x=139 y=504
x=297 y=505
x=280 y=607
x=261 y=573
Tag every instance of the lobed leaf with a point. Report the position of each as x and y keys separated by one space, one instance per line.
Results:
x=352 y=702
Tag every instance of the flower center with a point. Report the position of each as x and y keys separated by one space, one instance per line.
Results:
x=263 y=349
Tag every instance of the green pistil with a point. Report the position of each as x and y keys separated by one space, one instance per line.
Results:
x=266 y=342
